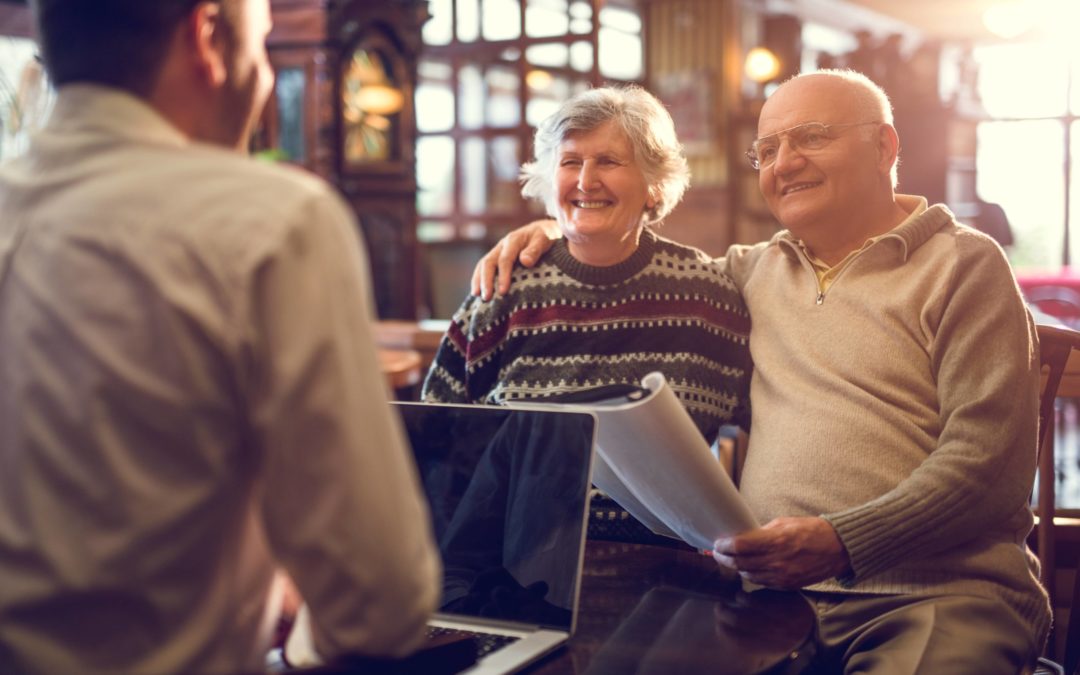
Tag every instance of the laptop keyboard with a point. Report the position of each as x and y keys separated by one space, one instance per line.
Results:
x=485 y=642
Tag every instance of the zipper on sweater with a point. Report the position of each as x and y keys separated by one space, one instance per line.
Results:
x=820 y=300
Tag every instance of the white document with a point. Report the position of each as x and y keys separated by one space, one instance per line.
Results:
x=654 y=462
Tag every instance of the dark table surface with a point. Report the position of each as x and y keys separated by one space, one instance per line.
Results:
x=648 y=609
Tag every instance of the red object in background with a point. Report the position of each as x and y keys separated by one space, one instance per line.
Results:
x=1056 y=293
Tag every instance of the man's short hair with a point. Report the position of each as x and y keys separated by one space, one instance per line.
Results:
x=117 y=43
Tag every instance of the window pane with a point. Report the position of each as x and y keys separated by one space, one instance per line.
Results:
x=490 y=175
x=620 y=19
x=473 y=231
x=546 y=18
x=581 y=56
x=502 y=19
x=468 y=20
x=432 y=231
x=474 y=175
x=620 y=55
x=538 y=109
x=1022 y=80
x=543 y=102
x=1032 y=192
x=551 y=55
x=1075 y=103
x=434 y=107
x=581 y=17
x=434 y=98
x=289 y=91
x=435 y=175
x=503 y=97
x=438 y=30
x=505 y=168
x=471 y=97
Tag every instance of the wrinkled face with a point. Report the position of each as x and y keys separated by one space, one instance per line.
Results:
x=811 y=191
x=250 y=77
x=600 y=189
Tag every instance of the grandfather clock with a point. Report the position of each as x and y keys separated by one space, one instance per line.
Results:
x=343 y=108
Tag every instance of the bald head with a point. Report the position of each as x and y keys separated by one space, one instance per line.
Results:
x=858 y=92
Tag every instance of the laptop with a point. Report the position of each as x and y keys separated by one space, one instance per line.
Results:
x=508 y=493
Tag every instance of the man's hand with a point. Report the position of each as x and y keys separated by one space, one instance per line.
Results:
x=785 y=553
x=526 y=243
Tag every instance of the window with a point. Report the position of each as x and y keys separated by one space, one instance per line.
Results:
x=490 y=72
x=1028 y=150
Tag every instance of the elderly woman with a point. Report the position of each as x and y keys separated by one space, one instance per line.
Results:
x=611 y=301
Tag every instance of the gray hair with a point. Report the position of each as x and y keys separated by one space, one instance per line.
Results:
x=647 y=126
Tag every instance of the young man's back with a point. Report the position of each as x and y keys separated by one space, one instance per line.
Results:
x=190 y=396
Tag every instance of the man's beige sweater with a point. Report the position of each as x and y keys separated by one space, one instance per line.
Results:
x=901 y=405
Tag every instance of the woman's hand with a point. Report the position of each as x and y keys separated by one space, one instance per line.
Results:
x=526 y=244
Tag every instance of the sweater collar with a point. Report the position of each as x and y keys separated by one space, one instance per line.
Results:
x=923 y=222
x=560 y=256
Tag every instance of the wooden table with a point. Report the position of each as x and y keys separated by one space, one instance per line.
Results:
x=401 y=367
x=647 y=609
x=420 y=336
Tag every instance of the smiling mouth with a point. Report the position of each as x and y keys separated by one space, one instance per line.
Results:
x=798 y=187
x=581 y=204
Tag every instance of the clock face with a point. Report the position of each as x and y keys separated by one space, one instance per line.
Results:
x=370 y=104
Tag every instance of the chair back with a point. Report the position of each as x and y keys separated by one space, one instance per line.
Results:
x=1056 y=344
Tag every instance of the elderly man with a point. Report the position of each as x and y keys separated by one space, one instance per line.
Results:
x=894 y=410
x=189 y=392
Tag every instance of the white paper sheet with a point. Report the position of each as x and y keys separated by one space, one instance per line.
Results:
x=653 y=461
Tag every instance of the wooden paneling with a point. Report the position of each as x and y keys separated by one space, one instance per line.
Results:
x=689 y=36
x=700 y=39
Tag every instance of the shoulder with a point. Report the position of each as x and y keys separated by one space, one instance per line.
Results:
x=970 y=249
x=250 y=208
x=741 y=260
x=673 y=248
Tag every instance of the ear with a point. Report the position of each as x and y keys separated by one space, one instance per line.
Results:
x=205 y=34
x=888 y=144
x=651 y=199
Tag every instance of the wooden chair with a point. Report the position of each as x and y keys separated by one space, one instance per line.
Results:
x=1056 y=345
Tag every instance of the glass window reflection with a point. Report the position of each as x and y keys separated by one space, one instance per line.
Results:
x=435 y=175
x=502 y=19
x=474 y=175
x=438 y=30
x=470 y=97
x=1006 y=85
x=503 y=107
x=546 y=18
x=620 y=54
x=550 y=55
x=1032 y=193
x=468 y=20
x=289 y=91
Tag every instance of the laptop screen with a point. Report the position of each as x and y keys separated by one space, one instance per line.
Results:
x=507 y=490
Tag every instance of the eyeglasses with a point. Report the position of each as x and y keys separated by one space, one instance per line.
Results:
x=809 y=136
